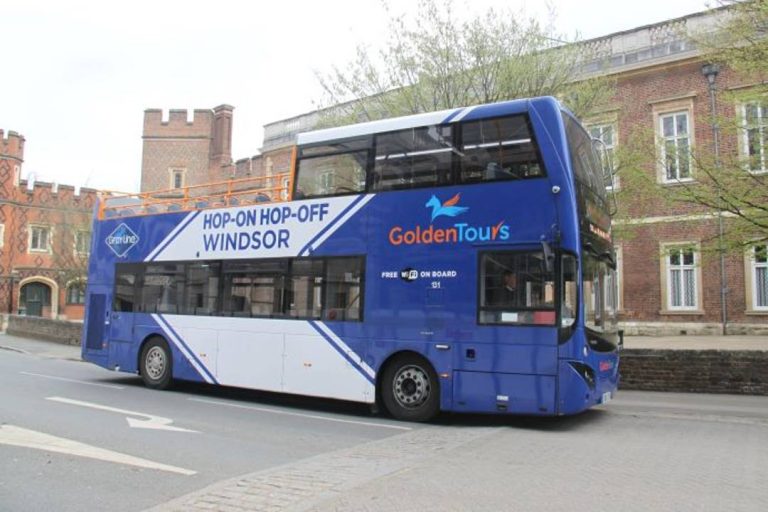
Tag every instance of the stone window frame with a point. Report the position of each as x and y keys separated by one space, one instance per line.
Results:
x=608 y=121
x=664 y=108
x=173 y=172
x=79 y=251
x=665 y=249
x=741 y=108
x=81 y=282
x=49 y=239
x=750 y=274
x=2 y=235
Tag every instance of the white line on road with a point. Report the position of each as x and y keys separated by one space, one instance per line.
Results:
x=17 y=436
x=311 y=416
x=150 y=421
x=111 y=386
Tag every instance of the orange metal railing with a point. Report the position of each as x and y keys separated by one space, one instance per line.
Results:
x=255 y=190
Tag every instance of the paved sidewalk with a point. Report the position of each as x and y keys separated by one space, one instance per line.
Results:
x=39 y=347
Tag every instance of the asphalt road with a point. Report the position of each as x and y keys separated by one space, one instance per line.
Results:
x=77 y=437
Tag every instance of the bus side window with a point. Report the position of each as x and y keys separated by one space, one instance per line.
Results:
x=343 y=289
x=498 y=149
x=125 y=288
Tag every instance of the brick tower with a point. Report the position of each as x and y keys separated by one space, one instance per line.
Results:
x=183 y=151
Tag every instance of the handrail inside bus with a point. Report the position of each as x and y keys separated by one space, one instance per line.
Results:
x=240 y=192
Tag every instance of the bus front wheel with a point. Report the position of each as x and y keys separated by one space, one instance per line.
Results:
x=410 y=390
x=155 y=364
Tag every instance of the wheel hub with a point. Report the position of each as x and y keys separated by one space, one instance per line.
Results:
x=411 y=386
x=155 y=363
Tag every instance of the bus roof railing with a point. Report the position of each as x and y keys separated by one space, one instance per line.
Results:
x=241 y=192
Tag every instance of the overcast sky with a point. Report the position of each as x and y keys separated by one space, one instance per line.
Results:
x=77 y=75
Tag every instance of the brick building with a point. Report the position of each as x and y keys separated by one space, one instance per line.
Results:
x=183 y=150
x=667 y=285
x=44 y=240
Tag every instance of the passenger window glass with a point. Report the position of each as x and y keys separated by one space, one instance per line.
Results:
x=332 y=174
x=305 y=294
x=125 y=288
x=253 y=288
x=163 y=288
x=343 y=289
x=498 y=149
x=202 y=288
x=417 y=157
x=516 y=288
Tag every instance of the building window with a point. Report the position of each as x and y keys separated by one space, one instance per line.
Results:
x=2 y=235
x=76 y=293
x=682 y=278
x=177 y=178
x=675 y=146
x=83 y=242
x=755 y=141
x=606 y=133
x=39 y=239
x=758 y=261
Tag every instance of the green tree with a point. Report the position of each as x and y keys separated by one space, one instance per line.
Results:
x=438 y=62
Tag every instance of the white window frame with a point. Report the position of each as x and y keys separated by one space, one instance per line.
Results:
x=49 y=238
x=682 y=267
x=751 y=271
x=601 y=129
x=2 y=235
x=87 y=249
x=172 y=174
x=675 y=138
x=762 y=128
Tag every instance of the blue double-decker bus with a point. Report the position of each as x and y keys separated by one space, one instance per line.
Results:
x=450 y=261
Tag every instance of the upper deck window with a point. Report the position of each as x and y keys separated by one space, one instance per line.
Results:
x=501 y=148
x=498 y=149
x=331 y=169
x=416 y=157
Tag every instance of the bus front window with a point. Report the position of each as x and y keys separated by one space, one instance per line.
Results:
x=599 y=295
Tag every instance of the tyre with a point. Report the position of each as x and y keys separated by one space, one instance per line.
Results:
x=156 y=364
x=410 y=390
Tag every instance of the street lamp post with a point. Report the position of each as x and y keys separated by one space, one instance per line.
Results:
x=710 y=71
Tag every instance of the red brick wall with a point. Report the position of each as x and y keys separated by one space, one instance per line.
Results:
x=638 y=93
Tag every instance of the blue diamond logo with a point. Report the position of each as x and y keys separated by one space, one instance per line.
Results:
x=122 y=240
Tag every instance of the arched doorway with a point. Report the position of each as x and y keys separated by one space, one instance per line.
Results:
x=35 y=299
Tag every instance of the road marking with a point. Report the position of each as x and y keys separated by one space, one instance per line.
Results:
x=111 y=386
x=301 y=415
x=17 y=436
x=149 y=421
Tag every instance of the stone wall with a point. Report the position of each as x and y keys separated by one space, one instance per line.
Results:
x=695 y=371
x=60 y=331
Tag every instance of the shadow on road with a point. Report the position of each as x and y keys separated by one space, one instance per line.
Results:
x=310 y=405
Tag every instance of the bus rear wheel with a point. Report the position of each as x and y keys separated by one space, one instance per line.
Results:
x=410 y=390
x=156 y=364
